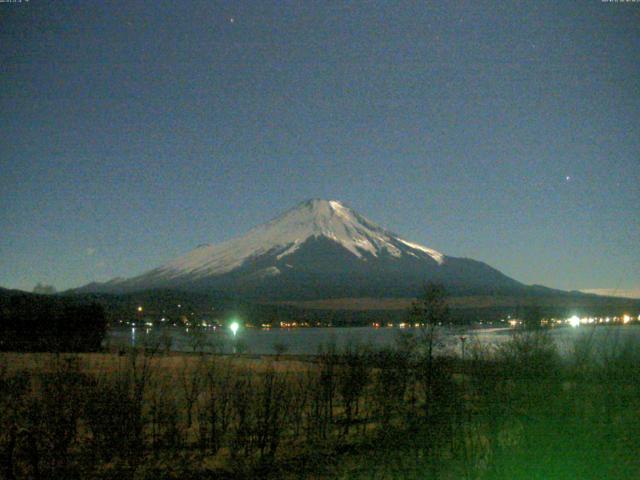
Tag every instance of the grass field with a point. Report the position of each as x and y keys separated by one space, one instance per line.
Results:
x=518 y=412
x=467 y=302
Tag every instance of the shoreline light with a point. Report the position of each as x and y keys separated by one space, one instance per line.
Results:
x=234 y=328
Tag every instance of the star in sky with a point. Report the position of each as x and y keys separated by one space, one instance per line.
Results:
x=185 y=134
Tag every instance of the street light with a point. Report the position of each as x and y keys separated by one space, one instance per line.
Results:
x=234 y=328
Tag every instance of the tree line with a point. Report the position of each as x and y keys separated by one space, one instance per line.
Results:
x=34 y=323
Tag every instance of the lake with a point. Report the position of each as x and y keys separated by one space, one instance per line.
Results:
x=309 y=340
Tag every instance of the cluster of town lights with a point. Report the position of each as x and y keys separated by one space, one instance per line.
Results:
x=573 y=321
x=576 y=321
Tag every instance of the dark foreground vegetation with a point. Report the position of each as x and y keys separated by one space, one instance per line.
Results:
x=515 y=412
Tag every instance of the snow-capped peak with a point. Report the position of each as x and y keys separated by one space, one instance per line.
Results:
x=285 y=234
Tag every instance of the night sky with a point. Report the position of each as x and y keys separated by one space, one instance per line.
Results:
x=508 y=132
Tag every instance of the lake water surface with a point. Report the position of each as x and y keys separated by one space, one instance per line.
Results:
x=309 y=340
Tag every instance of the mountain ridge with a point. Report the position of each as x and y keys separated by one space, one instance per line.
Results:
x=317 y=249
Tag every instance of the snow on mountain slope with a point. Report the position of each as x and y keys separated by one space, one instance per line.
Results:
x=284 y=235
x=319 y=249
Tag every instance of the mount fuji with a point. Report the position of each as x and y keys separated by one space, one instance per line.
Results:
x=318 y=249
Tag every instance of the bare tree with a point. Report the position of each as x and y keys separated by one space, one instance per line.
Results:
x=191 y=380
x=429 y=310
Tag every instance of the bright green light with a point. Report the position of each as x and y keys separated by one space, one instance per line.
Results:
x=234 y=328
x=574 y=321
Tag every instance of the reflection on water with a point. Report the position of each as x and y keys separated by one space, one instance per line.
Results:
x=310 y=340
